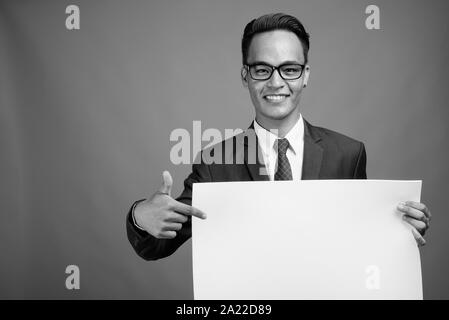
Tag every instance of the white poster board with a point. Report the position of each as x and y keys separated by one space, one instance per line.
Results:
x=316 y=239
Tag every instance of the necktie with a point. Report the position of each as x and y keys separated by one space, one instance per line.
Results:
x=284 y=171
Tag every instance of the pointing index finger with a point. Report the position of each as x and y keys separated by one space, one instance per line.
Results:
x=188 y=210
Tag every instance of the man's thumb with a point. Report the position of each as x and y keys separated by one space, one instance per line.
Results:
x=167 y=183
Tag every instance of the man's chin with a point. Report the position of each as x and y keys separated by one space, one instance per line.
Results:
x=277 y=113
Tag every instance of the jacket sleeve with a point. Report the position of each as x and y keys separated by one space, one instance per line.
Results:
x=360 y=168
x=151 y=248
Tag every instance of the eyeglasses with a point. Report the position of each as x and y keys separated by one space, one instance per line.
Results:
x=287 y=71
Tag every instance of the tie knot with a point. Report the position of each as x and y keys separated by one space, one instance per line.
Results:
x=283 y=145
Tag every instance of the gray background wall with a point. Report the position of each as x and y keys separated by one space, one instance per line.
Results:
x=85 y=118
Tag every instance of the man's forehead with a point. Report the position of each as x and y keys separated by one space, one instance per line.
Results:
x=275 y=47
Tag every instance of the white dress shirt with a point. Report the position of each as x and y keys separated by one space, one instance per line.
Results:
x=295 y=151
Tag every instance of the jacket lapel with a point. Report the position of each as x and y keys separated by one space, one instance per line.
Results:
x=313 y=153
x=252 y=155
x=258 y=172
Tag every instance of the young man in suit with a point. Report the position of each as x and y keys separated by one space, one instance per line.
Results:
x=279 y=144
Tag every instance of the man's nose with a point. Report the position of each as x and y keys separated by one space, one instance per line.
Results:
x=276 y=80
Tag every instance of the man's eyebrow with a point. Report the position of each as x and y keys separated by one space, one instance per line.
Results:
x=291 y=62
x=268 y=64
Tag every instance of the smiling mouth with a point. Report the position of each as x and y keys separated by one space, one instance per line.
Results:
x=275 y=97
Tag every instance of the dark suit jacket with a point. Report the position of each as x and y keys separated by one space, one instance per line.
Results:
x=327 y=155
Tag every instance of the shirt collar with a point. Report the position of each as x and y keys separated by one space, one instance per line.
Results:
x=267 y=138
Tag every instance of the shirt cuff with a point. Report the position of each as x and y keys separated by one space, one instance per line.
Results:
x=132 y=214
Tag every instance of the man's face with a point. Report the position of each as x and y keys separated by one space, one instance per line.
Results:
x=275 y=98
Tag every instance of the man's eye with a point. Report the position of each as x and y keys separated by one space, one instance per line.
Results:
x=262 y=71
x=292 y=70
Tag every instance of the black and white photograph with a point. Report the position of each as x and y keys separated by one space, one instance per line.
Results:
x=250 y=151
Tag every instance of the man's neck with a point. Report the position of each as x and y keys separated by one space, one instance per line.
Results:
x=281 y=126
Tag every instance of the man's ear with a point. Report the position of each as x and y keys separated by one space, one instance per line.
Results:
x=244 y=75
x=306 y=75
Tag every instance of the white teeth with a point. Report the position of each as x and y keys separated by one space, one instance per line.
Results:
x=275 y=97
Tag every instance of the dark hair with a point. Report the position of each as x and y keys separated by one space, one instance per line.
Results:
x=270 y=22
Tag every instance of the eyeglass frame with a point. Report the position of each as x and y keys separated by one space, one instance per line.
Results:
x=274 y=68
